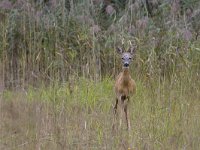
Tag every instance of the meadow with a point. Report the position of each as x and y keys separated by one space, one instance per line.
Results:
x=58 y=66
x=164 y=115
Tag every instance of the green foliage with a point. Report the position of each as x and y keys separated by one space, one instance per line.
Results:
x=51 y=41
x=189 y=4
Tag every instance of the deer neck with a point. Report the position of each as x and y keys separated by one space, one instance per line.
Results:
x=126 y=76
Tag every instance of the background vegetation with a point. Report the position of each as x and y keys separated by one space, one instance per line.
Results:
x=58 y=65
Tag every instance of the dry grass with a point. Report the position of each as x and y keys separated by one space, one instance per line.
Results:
x=53 y=44
x=162 y=117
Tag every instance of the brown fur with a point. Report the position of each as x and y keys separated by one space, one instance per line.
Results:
x=125 y=87
x=124 y=84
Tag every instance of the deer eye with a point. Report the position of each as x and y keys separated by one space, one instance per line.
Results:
x=122 y=58
x=129 y=58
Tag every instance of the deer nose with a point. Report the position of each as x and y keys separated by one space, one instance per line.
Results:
x=126 y=64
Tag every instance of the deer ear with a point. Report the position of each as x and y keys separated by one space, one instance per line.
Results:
x=119 y=50
x=131 y=50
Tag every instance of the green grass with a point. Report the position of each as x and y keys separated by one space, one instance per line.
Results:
x=164 y=115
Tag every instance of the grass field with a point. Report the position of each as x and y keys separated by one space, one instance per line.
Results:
x=58 y=61
x=164 y=115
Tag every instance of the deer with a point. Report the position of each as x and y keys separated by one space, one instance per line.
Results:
x=125 y=86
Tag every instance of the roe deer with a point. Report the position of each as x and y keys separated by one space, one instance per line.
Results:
x=124 y=86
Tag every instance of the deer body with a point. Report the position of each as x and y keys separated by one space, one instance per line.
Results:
x=125 y=87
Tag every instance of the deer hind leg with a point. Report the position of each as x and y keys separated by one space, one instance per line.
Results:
x=115 y=113
x=115 y=107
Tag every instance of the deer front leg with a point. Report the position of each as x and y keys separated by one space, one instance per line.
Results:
x=127 y=117
x=122 y=106
x=126 y=111
x=121 y=114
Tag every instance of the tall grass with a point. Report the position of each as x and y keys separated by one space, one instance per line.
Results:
x=58 y=66
x=164 y=115
x=61 y=40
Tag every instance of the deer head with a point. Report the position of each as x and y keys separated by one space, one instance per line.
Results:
x=126 y=56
